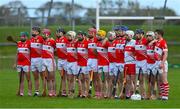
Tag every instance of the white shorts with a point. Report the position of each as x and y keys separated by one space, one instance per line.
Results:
x=120 y=67
x=25 y=68
x=92 y=65
x=49 y=64
x=62 y=64
x=36 y=64
x=160 y=70
x=112 y=69
x=151 y=68
x=83 y=70
x=142 y=65
x=72 y=68
x=103 y=69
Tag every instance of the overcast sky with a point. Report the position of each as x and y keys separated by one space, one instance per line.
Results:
x=173 y=4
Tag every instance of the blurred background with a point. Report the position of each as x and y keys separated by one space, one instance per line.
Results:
x=21 y=15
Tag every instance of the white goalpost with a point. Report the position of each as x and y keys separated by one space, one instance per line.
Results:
x=98 y=17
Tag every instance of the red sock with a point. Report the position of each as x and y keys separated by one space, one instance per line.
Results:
x=161 y=89
x=166 y=90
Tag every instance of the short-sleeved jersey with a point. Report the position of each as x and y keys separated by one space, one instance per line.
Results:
x=82 y=52
x=112 y=51
x=129 y=53
x=102 y=53
x=36 y=46
x=92 y=47
x=160 y=47
x=71 y=51
x=61 y=47
x=48 y=48
x=120 y=44
x=23 y=53
x=140 y=49
x=150 y=53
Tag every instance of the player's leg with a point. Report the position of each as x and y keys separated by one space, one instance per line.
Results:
x=133 y=82
x=95 y=83
x=44 y=73
x=81 y=84
x=121 y=80
x=44 y=82
x=152 y=86
x=110 y=85
x=51 y=71
x=95 y=74
x=37 y=82
x=132 y=74
x=35 y=75
x=63 y=80
x=128 y=86
x=99 y=83
x=86 y=80
x=21 y=78
x=18 y=68
x=104 y=77
x=141 y=84
x=28 y=78
x=118 y=81
x=140 y=73
x=165 y=94
x=52 y=85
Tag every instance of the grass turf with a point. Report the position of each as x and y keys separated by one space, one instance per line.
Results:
x=8 y=98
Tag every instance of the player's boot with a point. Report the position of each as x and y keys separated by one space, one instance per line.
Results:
x=36 y=93
x=44 y=93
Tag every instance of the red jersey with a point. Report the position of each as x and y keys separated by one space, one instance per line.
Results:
x=23 y=53
x=102 y=51
x=36 y=46
x=129 y=50
x=82 y=53
x=48 y=48
x=150 y=54
x=61 y=47
x=120 y=43
x=112 y=51
x=71 y=51
x=91 y=47
x=160 y=47
x=140 y=49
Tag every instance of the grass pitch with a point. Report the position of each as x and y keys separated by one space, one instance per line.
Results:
x=8 y=98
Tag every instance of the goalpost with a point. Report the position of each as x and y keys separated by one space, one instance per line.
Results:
x=98 y=17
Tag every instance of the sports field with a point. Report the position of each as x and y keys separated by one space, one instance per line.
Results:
x=9 y=83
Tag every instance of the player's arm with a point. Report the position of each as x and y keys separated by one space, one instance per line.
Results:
x=165 y=55
x=152 y=42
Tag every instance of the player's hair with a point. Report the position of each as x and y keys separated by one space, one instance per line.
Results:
x=159 y=31
x=36 y=28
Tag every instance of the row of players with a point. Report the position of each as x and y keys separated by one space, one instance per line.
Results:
x=109 y=63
